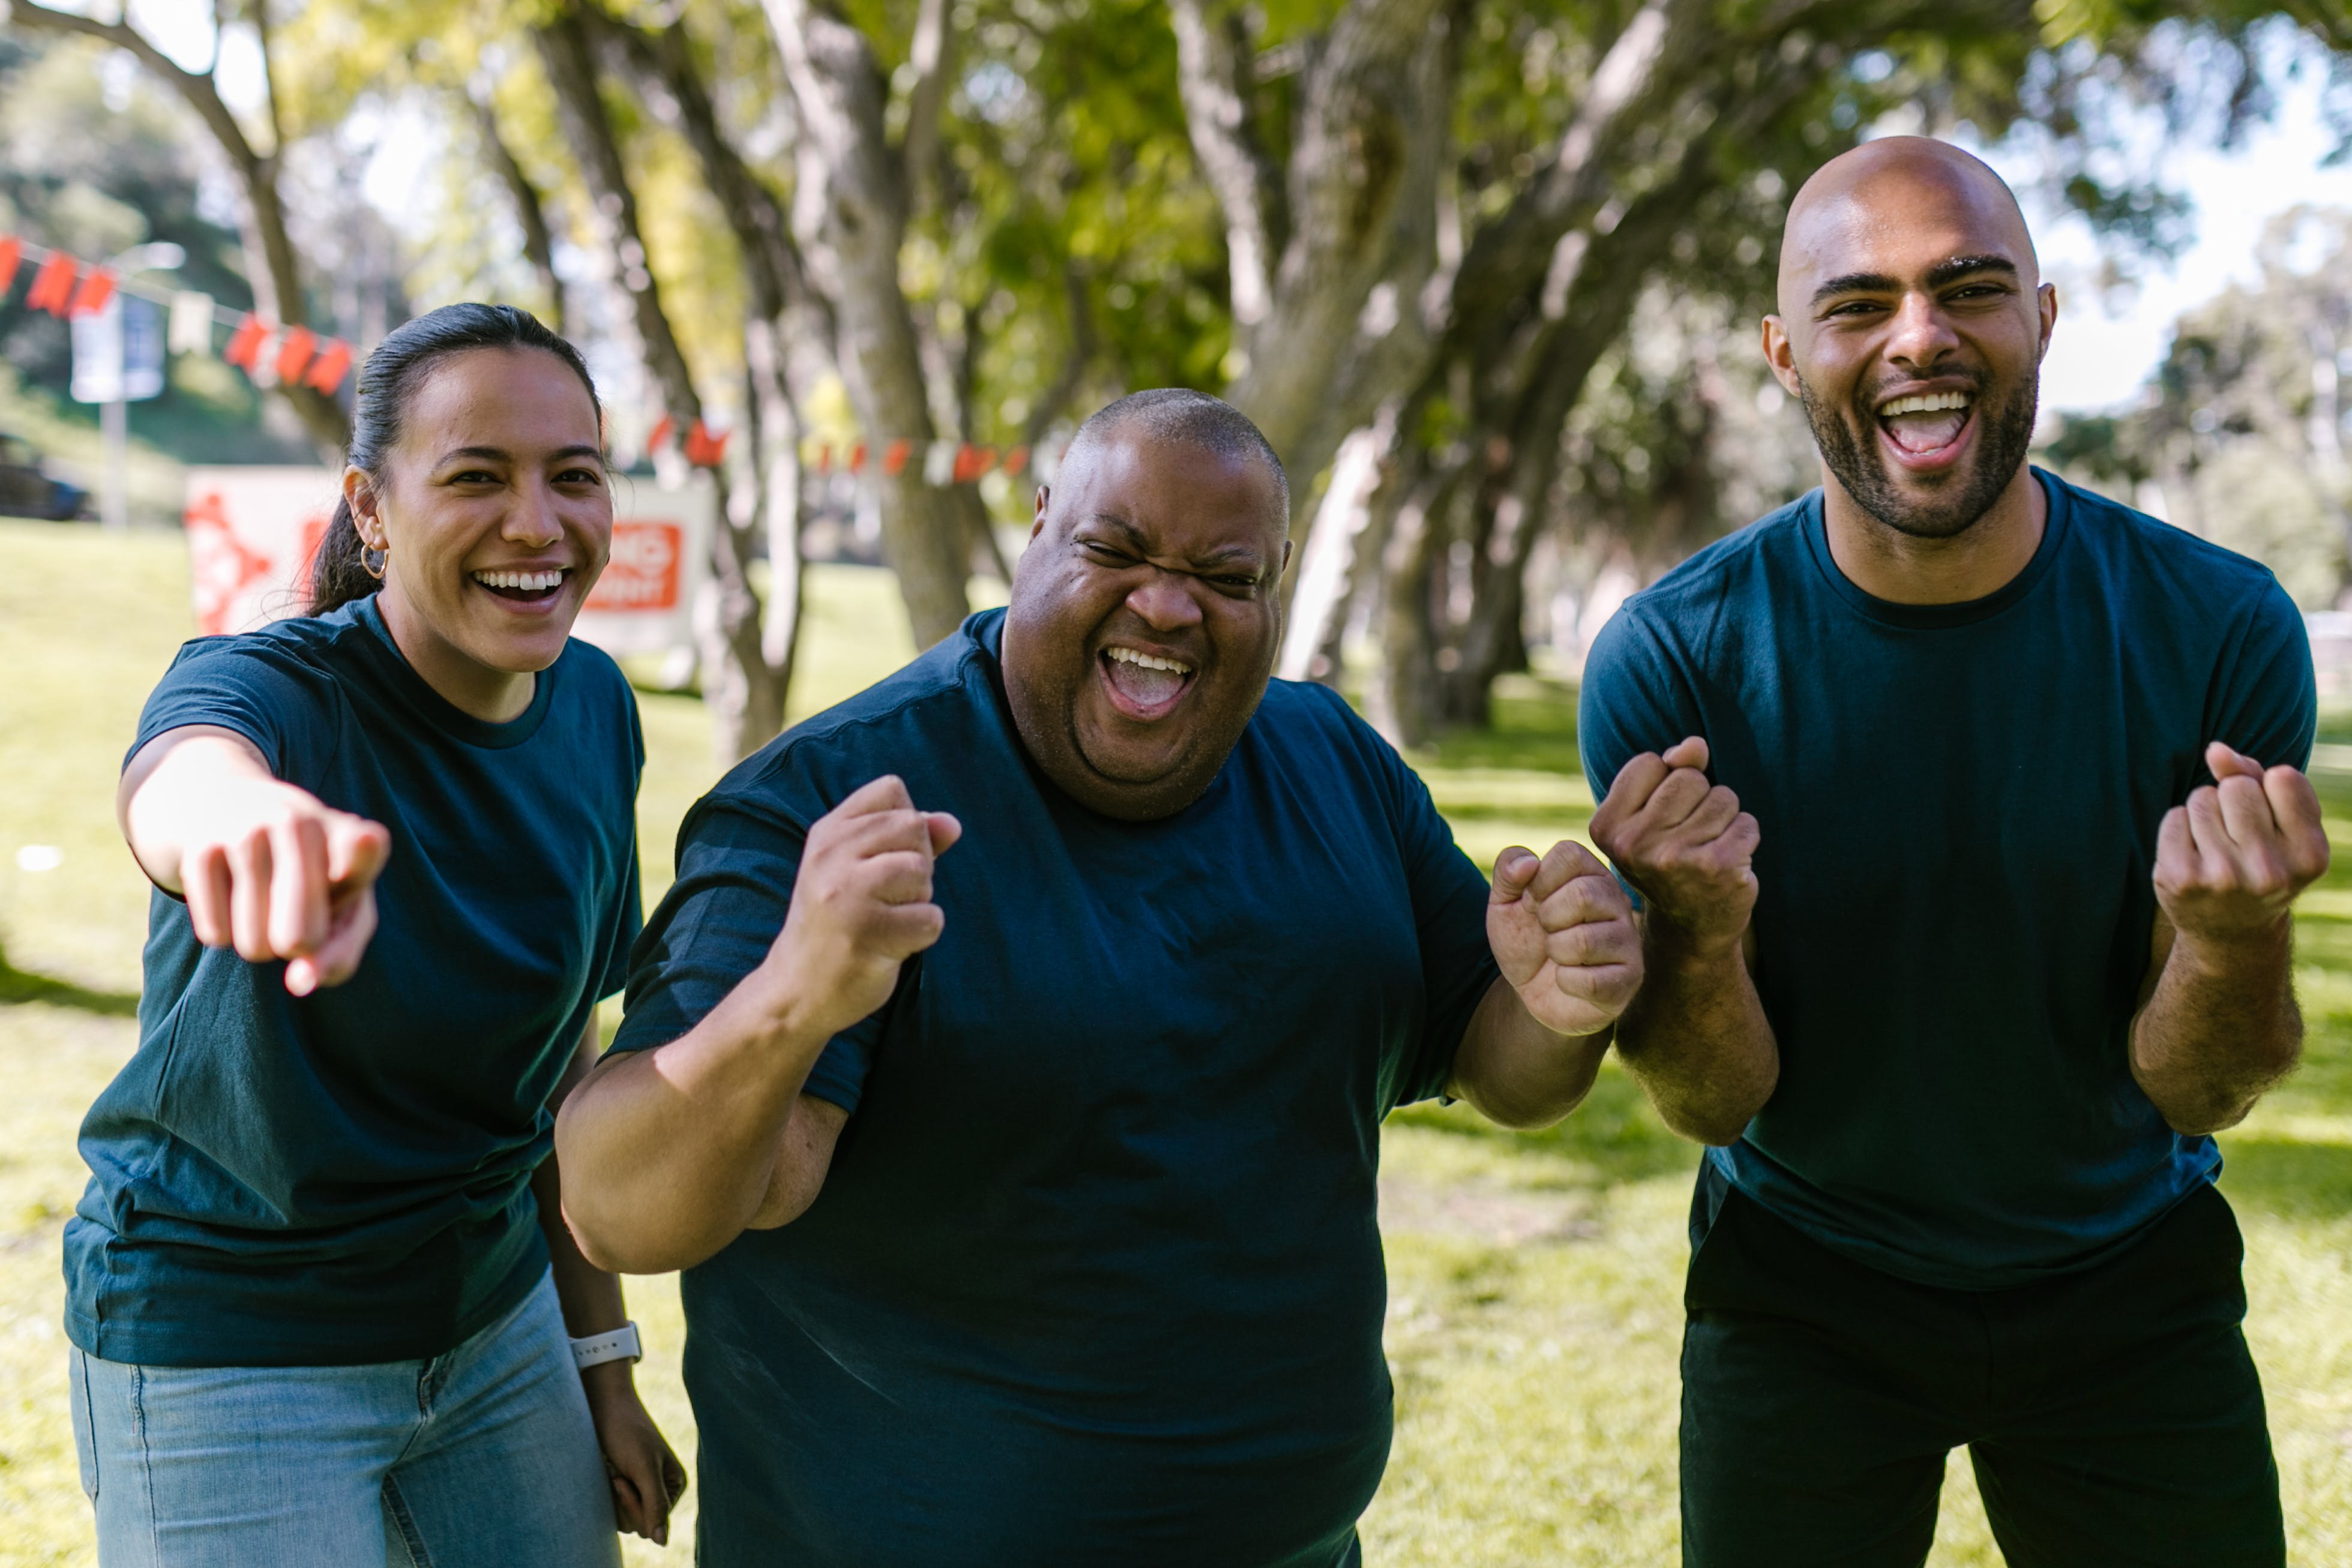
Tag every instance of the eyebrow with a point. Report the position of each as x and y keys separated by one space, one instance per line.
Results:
x=1942 y=273
x=500 y=454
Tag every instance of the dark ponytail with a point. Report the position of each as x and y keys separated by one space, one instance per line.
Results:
x=387 y=381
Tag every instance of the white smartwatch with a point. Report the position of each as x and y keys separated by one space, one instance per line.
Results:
x=596 y=1349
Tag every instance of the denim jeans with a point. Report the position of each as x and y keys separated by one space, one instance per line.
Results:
x=483 y=1457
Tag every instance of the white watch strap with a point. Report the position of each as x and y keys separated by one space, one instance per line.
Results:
x=596 y=1349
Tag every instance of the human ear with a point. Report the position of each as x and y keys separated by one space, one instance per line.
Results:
x=1781 y=354
x=1037 y=524
x=358 y=490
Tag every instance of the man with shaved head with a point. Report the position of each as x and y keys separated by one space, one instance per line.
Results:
x=1965 y=810
x=1006 y=1067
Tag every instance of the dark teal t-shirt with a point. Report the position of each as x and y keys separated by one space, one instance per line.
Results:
x=1095 y=1276
x=344 y=1178
x=1959 y=805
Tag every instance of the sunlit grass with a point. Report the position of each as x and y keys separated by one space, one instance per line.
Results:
x=1535 y=1279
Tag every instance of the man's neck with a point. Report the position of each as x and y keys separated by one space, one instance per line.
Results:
x=1902 y=569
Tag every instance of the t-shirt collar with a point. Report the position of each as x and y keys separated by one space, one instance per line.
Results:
x=384 y=656
x=1932 y=616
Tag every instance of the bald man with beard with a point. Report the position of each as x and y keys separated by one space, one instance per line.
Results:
x=1965 y=812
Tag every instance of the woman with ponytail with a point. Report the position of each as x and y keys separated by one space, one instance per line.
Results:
x=324 y=1306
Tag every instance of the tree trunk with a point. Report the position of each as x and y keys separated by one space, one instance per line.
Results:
x=850 y=214
x=277 y=279
x=531 y=211
x=746 y=708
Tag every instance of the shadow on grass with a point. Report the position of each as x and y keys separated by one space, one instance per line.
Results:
x=1614 y=1132
x=1534 y=727
x=16 y=985
x=2287 y=1177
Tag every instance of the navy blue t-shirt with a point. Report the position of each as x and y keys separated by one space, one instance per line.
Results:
x=344 y=1178
x=1959 y=805
x=1095 y=1275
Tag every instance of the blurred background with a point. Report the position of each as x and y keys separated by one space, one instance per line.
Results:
x=1487 y=275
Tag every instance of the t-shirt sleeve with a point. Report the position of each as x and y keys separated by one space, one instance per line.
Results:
x=281 y=705
x=1449 y=912
x=1632 y=700
x=2267 y=700
x=628 y=919
x=736 y=866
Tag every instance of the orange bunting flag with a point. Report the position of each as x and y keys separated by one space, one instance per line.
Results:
x=971 y=462
x=664 y=428
x=95 y=291
x=1017 y=460
x=53 y=285
x=12 y=251
x=244 y=348
x=857 y=458
x=894 y=456
x=328 y=371
x=703 y=449
x=294 y=352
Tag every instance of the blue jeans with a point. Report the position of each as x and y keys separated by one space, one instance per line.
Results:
x=482 y=1456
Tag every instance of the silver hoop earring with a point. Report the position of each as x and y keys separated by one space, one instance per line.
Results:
x=374 y=561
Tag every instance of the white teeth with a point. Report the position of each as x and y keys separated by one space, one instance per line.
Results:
x=1129 y=656
x=1926 y=402
x=529 y=582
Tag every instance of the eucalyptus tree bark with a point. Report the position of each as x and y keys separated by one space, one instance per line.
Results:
x=530 y=208
x=850 y=215
x=745 y=700
x=789 y=325
x=274 y=268
x=1309 y=244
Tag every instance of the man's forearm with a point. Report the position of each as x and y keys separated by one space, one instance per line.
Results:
x=1696 y=1039
x=2220 y=1027
x=669 y=1151
x=1516 y=1072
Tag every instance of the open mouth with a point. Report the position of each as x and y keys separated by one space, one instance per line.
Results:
x=1144 y=686
x=530 y=588
x=1927 y=429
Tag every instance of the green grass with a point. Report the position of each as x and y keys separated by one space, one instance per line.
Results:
x=1534 y=1279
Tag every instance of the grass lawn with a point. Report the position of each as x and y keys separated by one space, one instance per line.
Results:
x=1533 y=1312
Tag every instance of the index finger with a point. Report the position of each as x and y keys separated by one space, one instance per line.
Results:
x=1566 y=861
x=887 y=793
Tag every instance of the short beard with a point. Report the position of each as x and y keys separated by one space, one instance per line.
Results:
x=2006 y=434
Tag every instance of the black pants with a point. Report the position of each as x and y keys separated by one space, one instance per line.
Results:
x=2114 y=1416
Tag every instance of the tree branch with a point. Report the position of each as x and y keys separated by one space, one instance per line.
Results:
x=1214 y=69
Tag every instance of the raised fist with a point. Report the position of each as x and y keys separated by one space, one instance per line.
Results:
x=1684 y=844
x=2230 y=860
x=861 y=904
x=1562 y=931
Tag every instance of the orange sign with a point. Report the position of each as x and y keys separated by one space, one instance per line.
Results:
x=643 y=572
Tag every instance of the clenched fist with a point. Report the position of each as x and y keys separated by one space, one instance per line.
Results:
x=1684 y=844
x=861 y=904
x=1562 y=931
x=2230 y=861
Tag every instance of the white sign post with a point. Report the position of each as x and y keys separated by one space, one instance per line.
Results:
x=118 y=359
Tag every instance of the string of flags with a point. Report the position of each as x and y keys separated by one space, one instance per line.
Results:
x=273 y=354
x=267 y=352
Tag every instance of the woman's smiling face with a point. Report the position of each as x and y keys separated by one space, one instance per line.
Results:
x=495 y=514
